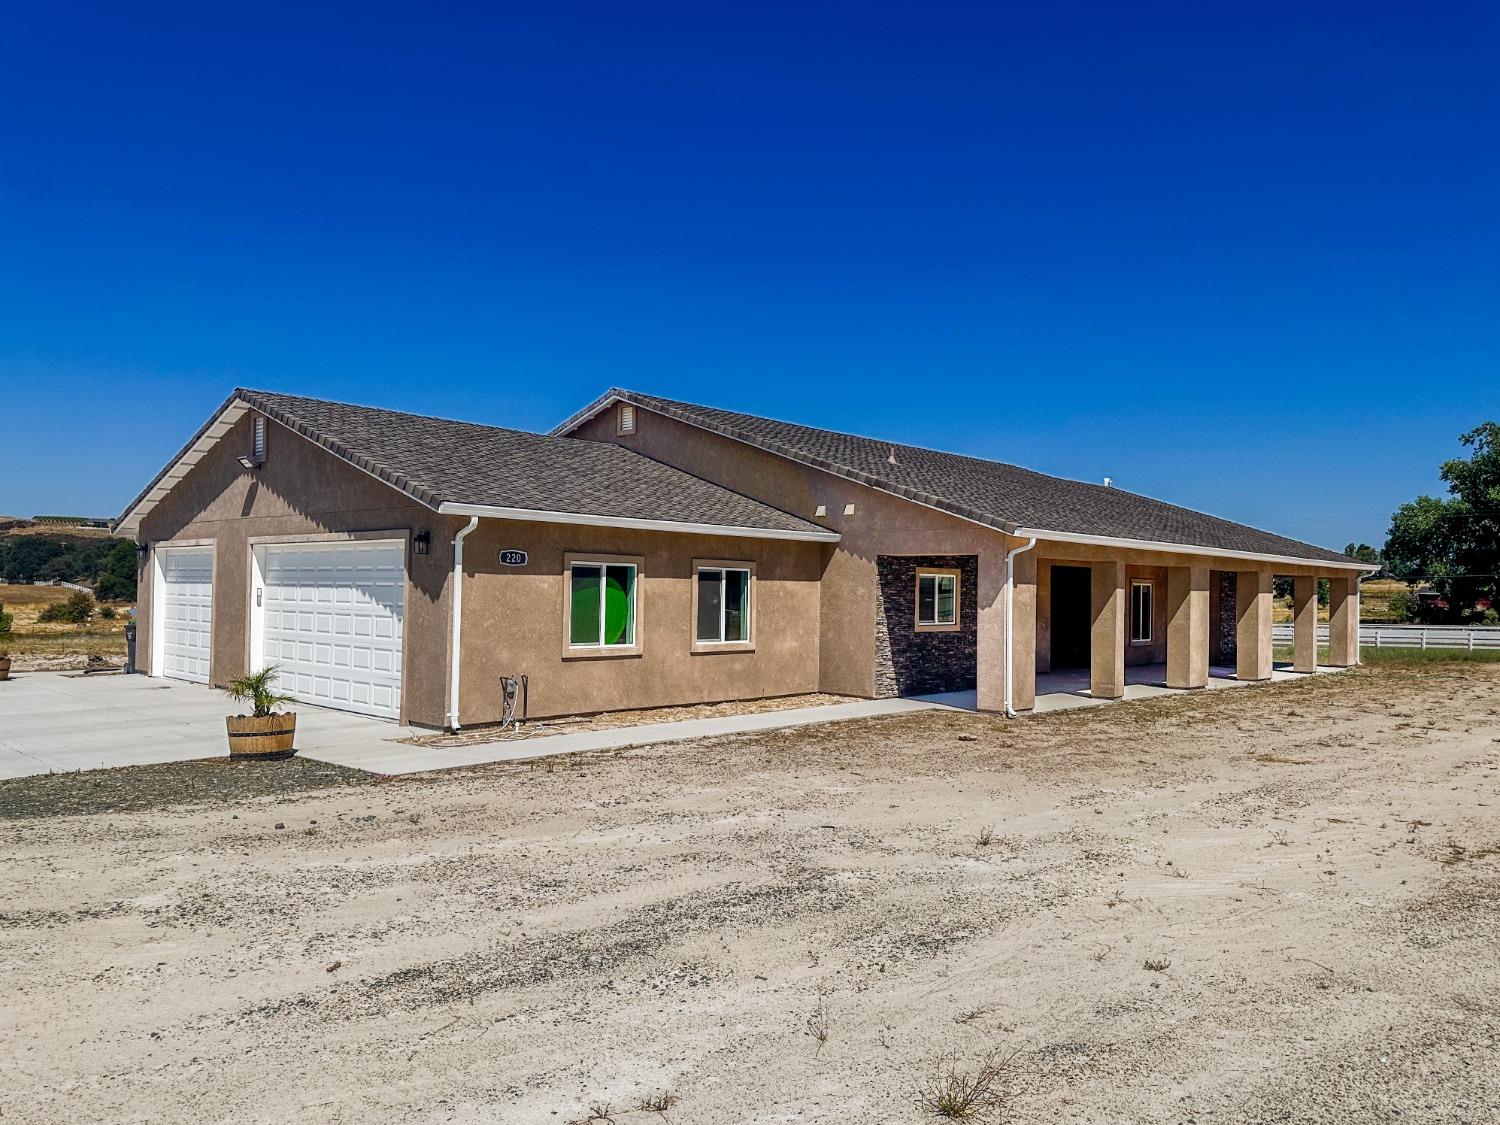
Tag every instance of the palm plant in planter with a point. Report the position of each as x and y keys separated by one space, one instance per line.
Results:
x=263 y=734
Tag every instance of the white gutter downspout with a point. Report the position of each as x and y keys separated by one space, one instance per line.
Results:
x=458 y=609
x=1010 y=616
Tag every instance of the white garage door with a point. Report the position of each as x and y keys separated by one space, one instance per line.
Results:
x=330 y=617
x=185 y=615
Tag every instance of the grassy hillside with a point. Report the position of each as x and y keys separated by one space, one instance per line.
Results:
x=49 y=644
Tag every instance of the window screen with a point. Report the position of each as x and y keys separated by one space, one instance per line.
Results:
x=723 y=605
x=937 y=599
x=1140 y=611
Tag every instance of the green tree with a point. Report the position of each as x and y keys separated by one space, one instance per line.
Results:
x=75 y=611
x=1363 y=553
x=117 y=579
x=1454 y=542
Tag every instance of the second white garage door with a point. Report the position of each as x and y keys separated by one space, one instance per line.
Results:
x=330 y=616
x=185 y=613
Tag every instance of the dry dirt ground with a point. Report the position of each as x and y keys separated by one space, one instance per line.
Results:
x=1276 y=904
x=39 y=646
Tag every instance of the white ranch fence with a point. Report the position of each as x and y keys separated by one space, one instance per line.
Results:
x=1469 y=637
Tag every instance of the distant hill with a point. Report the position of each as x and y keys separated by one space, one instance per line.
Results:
x=82 y=527
x=38 y=552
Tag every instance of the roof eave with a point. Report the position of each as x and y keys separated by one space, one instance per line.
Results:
x=537 y=515
x=936 y=503
x=579 y=417
x=219 y=423
x=1187 y=549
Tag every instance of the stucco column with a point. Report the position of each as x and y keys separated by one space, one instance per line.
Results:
x=990 y=642
x=1187 y=627
x=1252 y=631
x=1305 y=623
x=1343 y=620
x=1043 y=614
x=1107 y=635
x=1023 y=632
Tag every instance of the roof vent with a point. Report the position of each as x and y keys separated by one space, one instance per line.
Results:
x=1109 y=482
x=627 y=418
x=891 y=460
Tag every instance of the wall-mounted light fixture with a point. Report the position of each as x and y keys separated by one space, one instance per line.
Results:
x=421 y=542
x=142 y=550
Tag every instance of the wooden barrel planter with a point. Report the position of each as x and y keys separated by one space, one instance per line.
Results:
x=265 y=739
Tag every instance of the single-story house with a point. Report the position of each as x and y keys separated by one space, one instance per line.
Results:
x=649 y=552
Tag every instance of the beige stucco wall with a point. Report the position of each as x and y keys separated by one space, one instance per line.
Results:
x=513 y=616
x=301 y=491
x=514 y=621
x=880 y=524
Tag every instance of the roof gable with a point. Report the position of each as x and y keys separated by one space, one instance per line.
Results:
x=467 y=468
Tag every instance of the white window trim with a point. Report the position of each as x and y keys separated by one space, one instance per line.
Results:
x=1150 y=588
x=722 y=566
x=937 y=626
x=633 y=648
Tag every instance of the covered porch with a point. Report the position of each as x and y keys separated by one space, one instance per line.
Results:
x=1096 y=622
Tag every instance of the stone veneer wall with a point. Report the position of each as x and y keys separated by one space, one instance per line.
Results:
x=911 y=663
x=1224 y=644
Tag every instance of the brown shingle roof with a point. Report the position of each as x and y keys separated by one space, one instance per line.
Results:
x=987 y=492
x=436 y=461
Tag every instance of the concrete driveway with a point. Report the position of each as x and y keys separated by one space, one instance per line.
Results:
x=55 y=721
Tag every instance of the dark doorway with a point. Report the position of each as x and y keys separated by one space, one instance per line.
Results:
x=1071 y=598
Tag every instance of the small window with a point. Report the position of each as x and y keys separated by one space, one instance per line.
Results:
x=1140 y=613
x=601 y=605
x=626 y=418
x=259 y=439
x=723 y=605
x=937 y=599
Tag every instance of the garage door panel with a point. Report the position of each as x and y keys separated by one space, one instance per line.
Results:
x=333 y=621
x=187 y=612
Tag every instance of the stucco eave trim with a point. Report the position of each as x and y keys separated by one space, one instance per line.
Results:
x=1188 y=549
x=585 y=519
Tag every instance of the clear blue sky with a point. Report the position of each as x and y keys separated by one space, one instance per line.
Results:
x=1244 y=258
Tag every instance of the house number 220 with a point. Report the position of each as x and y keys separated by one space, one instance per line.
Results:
x=512 y=558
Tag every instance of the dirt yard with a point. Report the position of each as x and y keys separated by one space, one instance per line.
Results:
x=52 y=646
x=1272 y=904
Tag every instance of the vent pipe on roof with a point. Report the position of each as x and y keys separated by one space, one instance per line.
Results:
x=891 y=460
x=1109 y=482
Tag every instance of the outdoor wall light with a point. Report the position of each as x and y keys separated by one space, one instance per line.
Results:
x=421 y=541
x=142 y=550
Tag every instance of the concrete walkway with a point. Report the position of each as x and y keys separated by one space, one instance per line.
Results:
x=59 y=721
x=394 y=758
